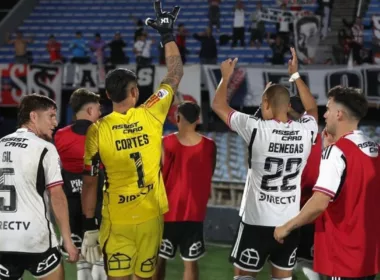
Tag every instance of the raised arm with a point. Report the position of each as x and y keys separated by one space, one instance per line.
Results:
x=220 y=105
x=307 y=98
x=174 y=65
x=164 y=24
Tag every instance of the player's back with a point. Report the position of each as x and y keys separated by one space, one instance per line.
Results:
x=24 y=214
x=277 y=155
x=70 y=146
x=130 y=151
x=352 y=214
x=187 y=172
x=130 y=143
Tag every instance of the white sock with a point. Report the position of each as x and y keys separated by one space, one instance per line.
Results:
x=244 y=278
x=307 y=269
x=83 y=270
x=98 y=271
x=285 y=278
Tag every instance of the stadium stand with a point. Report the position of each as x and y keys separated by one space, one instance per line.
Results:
x=373 y=10
x=64 y=17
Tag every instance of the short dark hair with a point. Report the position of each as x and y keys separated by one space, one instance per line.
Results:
x=81 y=97
x=352 y=99
x=277 y=95
x=117 y=82
x=296 y=104
x=33 y=102
x=190 y=111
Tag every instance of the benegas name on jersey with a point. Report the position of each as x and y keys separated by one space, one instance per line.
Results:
x=131 y=142
x=285 y=148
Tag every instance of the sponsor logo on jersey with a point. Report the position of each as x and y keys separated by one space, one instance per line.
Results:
x=373 y=147
x=129 y=198
x=15 y=142
x=76 y=185
x=277 y=199
x=162 y=93
x=128 y=128
x=14 y=225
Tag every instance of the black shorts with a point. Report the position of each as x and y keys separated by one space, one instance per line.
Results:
x=76 y=219
x=254 y=244
x=188 y=236
x=306 y=247
x=13 y=265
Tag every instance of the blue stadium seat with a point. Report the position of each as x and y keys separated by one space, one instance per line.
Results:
x=373 y=9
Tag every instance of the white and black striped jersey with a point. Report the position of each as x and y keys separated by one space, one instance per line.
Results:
x=277 y=154
x=29 y=166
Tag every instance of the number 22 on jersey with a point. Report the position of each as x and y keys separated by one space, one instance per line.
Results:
x=280 y=172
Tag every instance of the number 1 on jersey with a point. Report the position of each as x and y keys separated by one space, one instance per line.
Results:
x=139 y=168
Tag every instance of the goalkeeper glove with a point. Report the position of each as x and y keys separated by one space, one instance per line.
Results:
x=164 y=22
x=90 y=246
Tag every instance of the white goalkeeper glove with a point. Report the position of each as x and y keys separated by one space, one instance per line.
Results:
x=90 y=246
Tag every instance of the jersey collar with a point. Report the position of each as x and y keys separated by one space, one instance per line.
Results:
x=24 y=129
x=289 y=121
x=352 y=132
x=80 y=126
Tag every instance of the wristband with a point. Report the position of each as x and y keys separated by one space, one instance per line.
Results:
x=166 y=38
x=90 y=224
x=294 y=77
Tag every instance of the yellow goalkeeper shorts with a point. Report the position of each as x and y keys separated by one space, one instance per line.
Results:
x=131 y=249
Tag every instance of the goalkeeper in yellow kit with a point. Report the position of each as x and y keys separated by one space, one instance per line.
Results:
x=127 y=144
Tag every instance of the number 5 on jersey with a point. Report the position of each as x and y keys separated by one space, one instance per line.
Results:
x=289 y=166
x=139 y=168
x=8 y=200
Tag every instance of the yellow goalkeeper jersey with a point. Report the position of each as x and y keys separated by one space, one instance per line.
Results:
x=128 y=146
